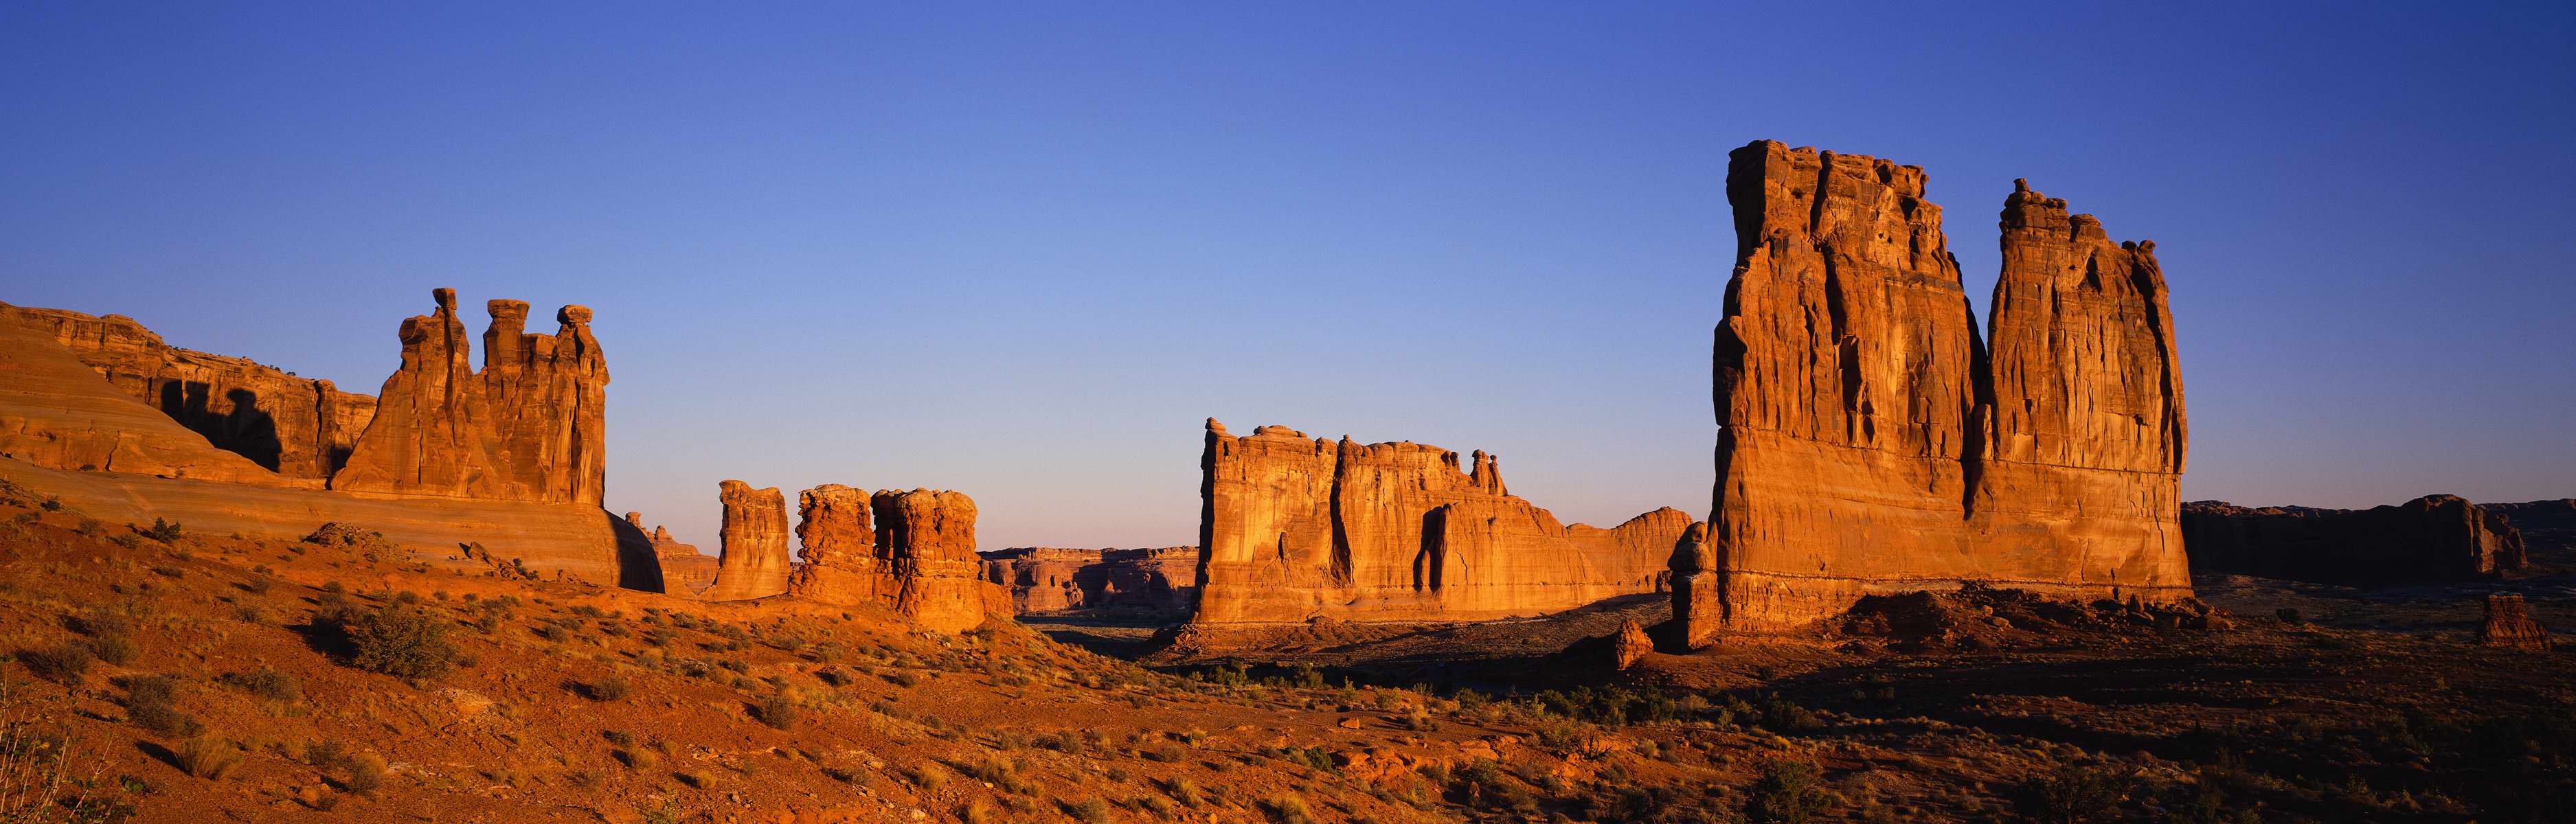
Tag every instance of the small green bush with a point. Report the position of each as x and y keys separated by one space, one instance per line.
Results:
x=398 y=640
x=1786 y=793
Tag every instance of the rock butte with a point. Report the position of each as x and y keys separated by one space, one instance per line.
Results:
x=685 y=570
x=2509 y=625
x=1042 y=580
x=104 y=414
x=1293 y=529
x=531 y=427
x=752 y=563
x=1871 y=443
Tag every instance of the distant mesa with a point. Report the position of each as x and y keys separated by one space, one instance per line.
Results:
x=1143 y=583
x=1871 y=442
x=2435 y=538
x=1293 y=529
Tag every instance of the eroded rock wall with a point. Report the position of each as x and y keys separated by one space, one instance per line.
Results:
x=753 y=561
x=297 y=427
x=1864 y=446
x=2429 y=539
x=1294 y=528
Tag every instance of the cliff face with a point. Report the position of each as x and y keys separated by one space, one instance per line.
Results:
x=1853 y=390
x=296 y=427
x=2432 y=538
x=1159 y=581
x=754 y=562
x=56 y=413
x=1293 y=528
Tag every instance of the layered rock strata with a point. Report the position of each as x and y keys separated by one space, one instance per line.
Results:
x=1293 y=529
x=753 y=561
x=912 y=552
x=1868 y=442
x=2509 y=625
x=926 y=547
x=530 y=427
x=56 y=413
x=2428 y=539
x=1042 y=580
x=840 y=563
x=296 y=427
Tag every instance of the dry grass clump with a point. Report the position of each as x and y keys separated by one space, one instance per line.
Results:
x=66 y=663
x=779 y=711
x=266 y=683
x=208 y=757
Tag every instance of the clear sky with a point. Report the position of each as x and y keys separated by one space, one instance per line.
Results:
x=1024 y=250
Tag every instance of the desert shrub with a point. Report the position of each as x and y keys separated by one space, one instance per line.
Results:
x=1786 y=793
x=258 y=584
x=1783 y=715
x=401 y=641
x=99 y=621
x=1288 y=809
x=115 y=648
x=266 y=683
x=51 y=504
x=2071 y=795
x=366 y=772
x=208 y=757
x=778 y=711
x=636 y=758
x=163 y=531
x=1088 y=811
x=901 y=679
x=151 y=702
x=65 y=663
x=609 y=688
x=1182 y=790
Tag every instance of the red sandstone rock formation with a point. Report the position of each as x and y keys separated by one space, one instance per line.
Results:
x=1293 y=528
x=840 y=557
x=2432 y=538
x=1630 y=644
x=753 y=561
x=55 y=412
x=1159 y=581
x=2509 y=625
x=926 y=545
x=684 y=569
x=530 y=427
x=1853 y=392
x=297 y=427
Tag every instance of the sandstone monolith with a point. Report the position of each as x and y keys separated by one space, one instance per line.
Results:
x=1293 y=529
x=753 y=561
x=2509 y=625
x=926 y=545
x=1864 y=446
x=530 y=426
x=840 y=564
x=2429 y=539
x=1630 y=644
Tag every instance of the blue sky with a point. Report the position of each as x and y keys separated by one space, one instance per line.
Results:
x=1024 y=250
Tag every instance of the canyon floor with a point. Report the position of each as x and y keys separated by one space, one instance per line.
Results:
x=171 y=675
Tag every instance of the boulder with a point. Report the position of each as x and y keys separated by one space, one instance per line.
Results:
x=1293 y=529
x=753 y=562
x=1629 y=644
x=1853 y=390
x=2429 y=539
